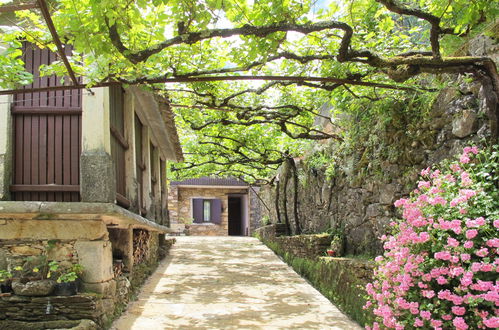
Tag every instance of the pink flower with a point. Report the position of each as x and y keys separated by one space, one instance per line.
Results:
x=455 y=167
x=447 y=317
x=482 y=252
x=426 y=171
x=418 y=323
x=458 y=310
x=465 y=256
x=428 y=294
x=452 y=242
x=496 y=223
x=442 y=255
x=464 y=159
x=494 y=242
x=424 y=184
x=436 y=323
x=486 y=268
x=459 y=323
x=475 y=267
x=468 y=244
x=425 y=315
x=441 y=280
x=400 y=202
x=470 y=234
x=493 y=322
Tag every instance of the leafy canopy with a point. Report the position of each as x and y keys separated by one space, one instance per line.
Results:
x=373 y=48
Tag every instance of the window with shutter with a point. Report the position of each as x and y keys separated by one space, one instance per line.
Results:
x=207 y=210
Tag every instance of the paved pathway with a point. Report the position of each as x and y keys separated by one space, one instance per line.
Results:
x=228 y=283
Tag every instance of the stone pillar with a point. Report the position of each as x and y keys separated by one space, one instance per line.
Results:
x=173 y=204
x=98 y=182
x=5 y=146
x=96 y=257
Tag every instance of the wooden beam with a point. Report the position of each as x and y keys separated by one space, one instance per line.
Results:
x=50 y=24
x=23 y=6
x=44 y=188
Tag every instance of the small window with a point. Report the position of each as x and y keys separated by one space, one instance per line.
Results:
x=206 y=211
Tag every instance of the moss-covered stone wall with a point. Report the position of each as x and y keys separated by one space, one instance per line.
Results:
x=341 y=280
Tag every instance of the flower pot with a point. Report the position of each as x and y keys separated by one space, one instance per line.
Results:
x=33 y=288
x=330 y=253
x=66 y=289
x=6 y=287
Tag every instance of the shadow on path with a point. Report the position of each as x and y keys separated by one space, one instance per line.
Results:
x=228 y=283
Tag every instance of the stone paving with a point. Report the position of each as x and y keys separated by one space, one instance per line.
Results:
x=228 y=283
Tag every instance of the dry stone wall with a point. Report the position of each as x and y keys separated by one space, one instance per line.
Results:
x=341 y=280
x=357 y=198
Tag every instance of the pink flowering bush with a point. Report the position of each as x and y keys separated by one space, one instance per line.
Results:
x=439 y=269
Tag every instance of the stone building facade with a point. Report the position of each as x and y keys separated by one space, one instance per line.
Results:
x=239 y=213
x=92 y=192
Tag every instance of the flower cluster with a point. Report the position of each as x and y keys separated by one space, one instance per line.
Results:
x=439 y=269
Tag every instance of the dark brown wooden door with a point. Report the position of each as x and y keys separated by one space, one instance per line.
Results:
x=47 y=136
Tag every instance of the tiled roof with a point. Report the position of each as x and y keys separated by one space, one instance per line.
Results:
x=210 y=181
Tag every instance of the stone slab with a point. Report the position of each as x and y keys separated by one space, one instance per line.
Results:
x=53 y=229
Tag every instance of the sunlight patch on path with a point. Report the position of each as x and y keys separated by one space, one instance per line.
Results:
x=228 y=283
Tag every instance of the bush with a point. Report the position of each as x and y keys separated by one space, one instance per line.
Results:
x=439 y=269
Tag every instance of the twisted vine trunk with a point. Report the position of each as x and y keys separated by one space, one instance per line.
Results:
x=294 y=173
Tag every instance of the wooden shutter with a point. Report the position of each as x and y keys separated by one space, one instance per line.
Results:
x=141 y=167
x=216 y=211
x=197 y=210
x=152 y=167
x=119 y=145
x=47 y=136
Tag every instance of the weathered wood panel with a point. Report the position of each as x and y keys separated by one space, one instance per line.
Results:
x=119 y=145
x=47 y=136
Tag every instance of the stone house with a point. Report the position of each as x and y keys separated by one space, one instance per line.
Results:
x=84 y=173
x=213 y=206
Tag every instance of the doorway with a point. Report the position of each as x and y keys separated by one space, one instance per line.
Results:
x=237 y=216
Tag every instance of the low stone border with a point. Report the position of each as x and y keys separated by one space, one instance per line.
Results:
x=341 y=280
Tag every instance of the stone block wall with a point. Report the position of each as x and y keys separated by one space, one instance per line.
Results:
x=270 y=232
x=103 y=292
x=303 y=246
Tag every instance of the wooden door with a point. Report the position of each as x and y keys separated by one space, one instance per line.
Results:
x=47 y=136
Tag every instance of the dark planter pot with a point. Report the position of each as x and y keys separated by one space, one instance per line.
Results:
x=66 y=289
x=6 y=287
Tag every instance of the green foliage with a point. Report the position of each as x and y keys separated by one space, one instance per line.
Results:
x=5 y=275
x=245 y=137
x=70 y=274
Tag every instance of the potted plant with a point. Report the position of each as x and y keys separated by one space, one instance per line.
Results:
x=331 y=253
x=337 y=240
x=33 y=277
x=67 y=282
x=5 y=281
